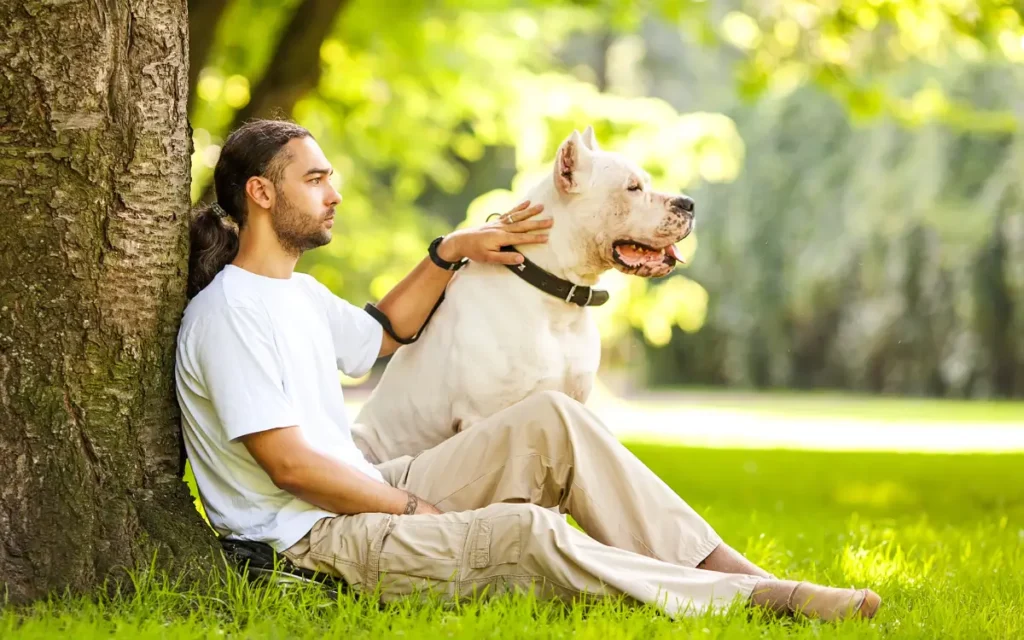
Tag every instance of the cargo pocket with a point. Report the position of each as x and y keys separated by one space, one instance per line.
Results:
x=350 y=545
x=497 y=540
x=421 y=553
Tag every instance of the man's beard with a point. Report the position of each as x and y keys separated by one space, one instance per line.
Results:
x=296 y=230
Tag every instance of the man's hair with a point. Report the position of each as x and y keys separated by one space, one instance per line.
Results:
x=254 y=149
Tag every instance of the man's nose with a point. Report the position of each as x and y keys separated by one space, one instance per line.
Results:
x=334 y=197
x=682 y=203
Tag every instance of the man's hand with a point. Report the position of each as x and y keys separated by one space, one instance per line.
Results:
x=484 y=243
x=417 y=507
x=408 y=305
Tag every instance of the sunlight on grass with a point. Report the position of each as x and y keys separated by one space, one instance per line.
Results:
x=811 y=421
x=878 y=565
x=828 y=405
x=940 y=537
x=876 y=494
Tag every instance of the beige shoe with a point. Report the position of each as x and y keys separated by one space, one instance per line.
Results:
x=829 y=603
x=815 y=601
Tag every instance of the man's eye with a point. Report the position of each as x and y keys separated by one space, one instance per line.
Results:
x=316 y=180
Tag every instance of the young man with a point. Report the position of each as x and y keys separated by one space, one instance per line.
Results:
x=268 y=436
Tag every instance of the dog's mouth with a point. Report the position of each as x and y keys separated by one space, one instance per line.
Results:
x=639 y=259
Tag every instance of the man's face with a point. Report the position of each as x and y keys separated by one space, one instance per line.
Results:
x=303 y=214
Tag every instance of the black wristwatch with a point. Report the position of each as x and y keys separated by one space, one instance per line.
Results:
x=441 y=262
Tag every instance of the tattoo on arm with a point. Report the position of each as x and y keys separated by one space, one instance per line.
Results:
x=411 y=505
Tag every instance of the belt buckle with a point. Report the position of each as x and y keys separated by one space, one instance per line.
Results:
x=572 y=290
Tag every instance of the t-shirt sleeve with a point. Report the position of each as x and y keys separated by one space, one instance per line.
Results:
x=242 y=371
x=357 y=336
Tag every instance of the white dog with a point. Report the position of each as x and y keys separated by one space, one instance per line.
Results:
x=497 y=338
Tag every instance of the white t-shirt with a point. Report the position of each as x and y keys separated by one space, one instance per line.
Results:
x=257 y=353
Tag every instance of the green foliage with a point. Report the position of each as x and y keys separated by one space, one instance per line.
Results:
x=849 y=46
x=406 y=110
x=873 y=257
x=937 y=536
x=436 y=113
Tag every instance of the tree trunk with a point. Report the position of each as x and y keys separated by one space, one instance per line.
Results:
x=293 y=70
x=94 y=177
x=203 y=18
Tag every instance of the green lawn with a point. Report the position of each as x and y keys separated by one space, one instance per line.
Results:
x=941 y=538
x=827 y=404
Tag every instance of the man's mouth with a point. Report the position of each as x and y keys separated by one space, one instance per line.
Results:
x=645 y=260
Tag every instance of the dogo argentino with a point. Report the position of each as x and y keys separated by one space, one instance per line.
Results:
x=505 y=332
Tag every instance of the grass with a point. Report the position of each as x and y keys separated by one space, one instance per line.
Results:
x=940 y=537
x=826 y=404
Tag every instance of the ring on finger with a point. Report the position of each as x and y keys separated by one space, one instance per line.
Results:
x=507 y=218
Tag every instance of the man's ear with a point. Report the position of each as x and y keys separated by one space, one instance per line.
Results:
x=572 y=158
x=589 y=139
x=261 y=191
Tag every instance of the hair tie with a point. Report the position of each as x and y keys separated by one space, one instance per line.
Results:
x=218 y=210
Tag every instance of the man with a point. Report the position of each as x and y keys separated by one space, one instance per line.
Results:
x=268 y=437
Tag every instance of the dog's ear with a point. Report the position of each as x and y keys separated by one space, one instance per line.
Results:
x=589 y=139
x=568 y=163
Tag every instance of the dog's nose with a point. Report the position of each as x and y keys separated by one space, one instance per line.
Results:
x=683 y=203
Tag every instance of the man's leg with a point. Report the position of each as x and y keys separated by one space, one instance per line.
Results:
x=499 y=548
x=549 y=450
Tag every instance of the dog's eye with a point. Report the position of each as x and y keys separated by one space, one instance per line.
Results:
x=636 y=186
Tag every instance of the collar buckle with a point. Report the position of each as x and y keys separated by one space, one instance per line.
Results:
x=572 y=292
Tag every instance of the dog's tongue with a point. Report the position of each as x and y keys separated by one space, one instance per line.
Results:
x=673 y=251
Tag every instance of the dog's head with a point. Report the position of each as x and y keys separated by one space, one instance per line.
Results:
x=610 y=208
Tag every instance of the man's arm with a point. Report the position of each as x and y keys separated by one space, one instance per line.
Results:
x=409 y=303
x=323 y=481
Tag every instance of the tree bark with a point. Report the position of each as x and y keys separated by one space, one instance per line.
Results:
x=94 y=177
x=203 y=18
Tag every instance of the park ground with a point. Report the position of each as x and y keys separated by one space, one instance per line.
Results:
x=921 y=500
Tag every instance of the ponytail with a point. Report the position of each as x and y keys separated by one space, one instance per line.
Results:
x=214 y=240
x=249 y=151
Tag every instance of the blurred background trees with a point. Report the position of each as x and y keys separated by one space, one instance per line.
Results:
x=858 y=164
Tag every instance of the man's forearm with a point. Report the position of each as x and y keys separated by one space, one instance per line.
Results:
x=336 y=487
x=409 y=303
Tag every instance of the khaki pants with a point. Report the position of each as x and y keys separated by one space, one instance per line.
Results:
x=497 y=484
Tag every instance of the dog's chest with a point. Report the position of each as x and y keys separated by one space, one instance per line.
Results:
x=567 y=354
x=512 y=340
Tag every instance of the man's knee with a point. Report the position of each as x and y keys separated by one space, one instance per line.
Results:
x=555 y=411
x=523 y=517
x=504 y=532
x=547 y=401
